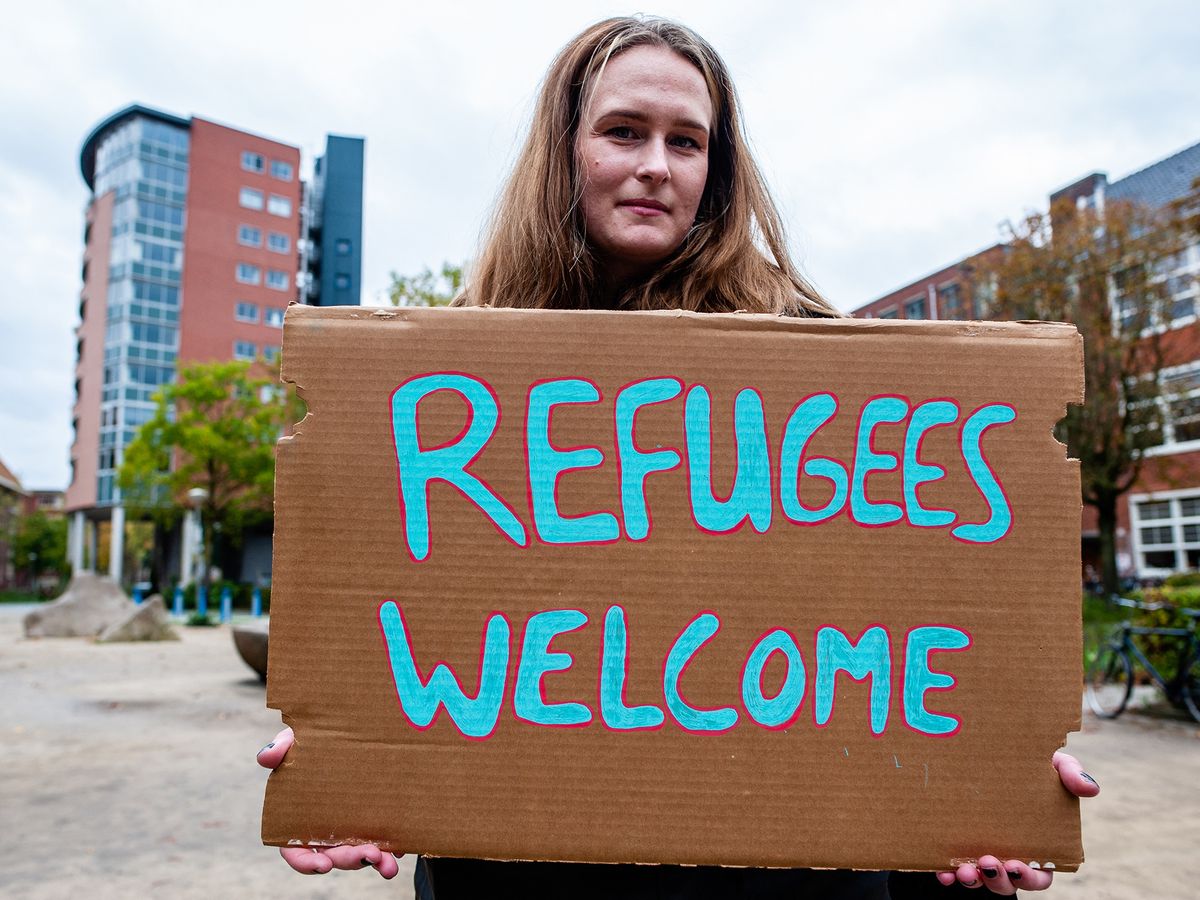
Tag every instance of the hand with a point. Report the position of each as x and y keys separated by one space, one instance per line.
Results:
x=1004 y=878
x=310 y=861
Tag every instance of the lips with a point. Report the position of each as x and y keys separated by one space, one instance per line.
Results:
x=644 y=206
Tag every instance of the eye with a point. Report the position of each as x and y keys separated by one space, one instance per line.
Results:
x=685 y=142
x=621 y=132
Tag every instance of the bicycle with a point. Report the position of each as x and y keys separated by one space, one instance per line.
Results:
x=1110 y=675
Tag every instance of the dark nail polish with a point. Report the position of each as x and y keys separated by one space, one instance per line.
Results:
x=1014 y=876
x=970 y=883
x=990 y=873
x=367 y=862
x=272 y=744
x=1086 y=777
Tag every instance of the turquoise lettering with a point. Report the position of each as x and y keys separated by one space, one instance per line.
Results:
x=878 y=411
x=751 y=494
x=918 y=678
x=613 y=711
x=696 y=635
x=774 y=711
x=926 y=416
x=474 y=716
x=870 y=656
x=637 y=464
x=547 y=463
x=1000 y=519
x=536 y=660
x=448 y=463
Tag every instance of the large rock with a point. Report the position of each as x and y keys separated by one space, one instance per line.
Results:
x=251 y=642
x=147 y=622
x=90 y=604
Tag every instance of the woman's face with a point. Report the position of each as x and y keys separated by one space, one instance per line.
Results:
x=643 y=156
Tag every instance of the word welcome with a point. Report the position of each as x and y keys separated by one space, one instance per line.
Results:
x=868 y=657
x=752 y=496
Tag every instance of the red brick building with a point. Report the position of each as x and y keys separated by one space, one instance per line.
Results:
x=193 y=247
x=1159 y=519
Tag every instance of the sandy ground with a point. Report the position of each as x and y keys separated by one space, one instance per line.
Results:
x=127 y=771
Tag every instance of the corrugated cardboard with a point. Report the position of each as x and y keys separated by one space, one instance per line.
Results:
x=782 y=790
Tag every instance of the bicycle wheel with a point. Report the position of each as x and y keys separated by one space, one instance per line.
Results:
x=1109 y=682
x=1191 y=688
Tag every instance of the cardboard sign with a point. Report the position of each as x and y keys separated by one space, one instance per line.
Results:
x=677 y=588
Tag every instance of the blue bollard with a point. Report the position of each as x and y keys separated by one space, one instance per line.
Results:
x=226 y=604
x=256 y=603
x=202 y=601
x=177 y=602
x=137 y=596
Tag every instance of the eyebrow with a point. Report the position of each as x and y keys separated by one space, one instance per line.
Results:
x=638 y=116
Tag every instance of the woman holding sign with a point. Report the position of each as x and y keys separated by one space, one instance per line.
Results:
x=635 y=190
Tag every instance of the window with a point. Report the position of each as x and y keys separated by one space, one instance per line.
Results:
x=252 y=162
x=277 y=280
x=274 y=317
x=270 y=352
x=1166 y=533
x=248 y=274
x=280 y=243
x=341 y=281
x=244 y=350
x=250 y=198
x=950 y=302
x=888 y=313
x=245 y=312
x=251 y=237
x=281 y=170
x=914 y=308
x=279 y=206
x=342 y=247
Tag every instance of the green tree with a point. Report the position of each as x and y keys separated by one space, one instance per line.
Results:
x=1104 y=271
x=40 y=546
x=426 y=288
x=214 y=428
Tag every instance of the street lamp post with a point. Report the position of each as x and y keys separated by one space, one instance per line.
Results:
x=196 y=498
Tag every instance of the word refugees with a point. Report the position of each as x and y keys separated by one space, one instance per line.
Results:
x=752 y=498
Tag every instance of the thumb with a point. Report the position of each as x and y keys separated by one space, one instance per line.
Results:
x=270 y=756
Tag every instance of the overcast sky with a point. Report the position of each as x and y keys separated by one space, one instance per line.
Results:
x=897 y=136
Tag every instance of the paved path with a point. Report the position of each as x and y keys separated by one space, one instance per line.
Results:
x=127 y=771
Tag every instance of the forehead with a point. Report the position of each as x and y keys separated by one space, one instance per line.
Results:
x=652 y=81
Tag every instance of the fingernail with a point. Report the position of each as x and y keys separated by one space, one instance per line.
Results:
x=272 y=744
x=1086 y=777
x=1014 y=876
x=990 y=873
x=367 y=862
x=970 y=883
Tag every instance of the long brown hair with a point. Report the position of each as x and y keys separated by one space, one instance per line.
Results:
x=535 y=253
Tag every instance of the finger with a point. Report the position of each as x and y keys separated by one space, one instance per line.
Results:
x=270 y=756
x=358 y=856
x=946 y=878
x=1025 y=878
x=305 y=860
x=995 y=877
x=1074 y=779
x=968 y=876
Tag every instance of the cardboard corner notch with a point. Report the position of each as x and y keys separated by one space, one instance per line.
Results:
x=677 y=588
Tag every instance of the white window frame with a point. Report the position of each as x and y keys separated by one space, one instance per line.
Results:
x=250 y=198
x=253 y=162
x=273 y=317
x=239 y=354
x=247 y=269
x=279 y=206
x=279 y=237
x=278 y=280
x=1176 y=521
x=244 y=240
x=246 y=304
x=281 y=171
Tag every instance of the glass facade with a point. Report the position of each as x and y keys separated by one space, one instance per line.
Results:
x=145 y=163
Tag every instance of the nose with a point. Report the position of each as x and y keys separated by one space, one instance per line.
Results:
x=653 y=165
